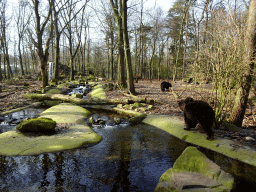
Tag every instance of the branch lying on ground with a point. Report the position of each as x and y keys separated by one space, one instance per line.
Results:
x=78 y=101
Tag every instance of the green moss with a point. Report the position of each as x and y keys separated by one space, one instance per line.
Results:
x=138 y=105
x=174 y=126
x=77 y=95
x=120 y=105
x=126 y=106
x=98 y=92
x=54 y=91
x=150 y=106
x=66 y=113
x=60 y=86
x=53 y=82
x=37 y=125
x=192 y=160
x=15 y=143
x=195 y=161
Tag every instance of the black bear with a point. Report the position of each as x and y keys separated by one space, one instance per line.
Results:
x=165 y=85
x=190 y=80
x=198 y=113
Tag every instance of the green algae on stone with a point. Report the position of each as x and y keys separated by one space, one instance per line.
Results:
x=77 y=95
x=54 y=91
x=174 y=126
x=193 y=168
x=136 y=117
x=97 y=93
x=78 y=135
x=138 y=105
x=45 y=125
x=66 y=113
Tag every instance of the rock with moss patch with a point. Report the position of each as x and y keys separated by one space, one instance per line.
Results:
x=54 y=91
x=138 y=105
x=150 y=106
x=193 y=171
x=53 y=82
x=120 y=105
x=77 y=95
x=126 y=106
x=43 y=125
x=117 y=120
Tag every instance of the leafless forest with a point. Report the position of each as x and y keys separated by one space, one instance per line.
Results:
x=210 y=41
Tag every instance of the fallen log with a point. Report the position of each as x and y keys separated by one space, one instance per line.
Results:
x=37 y=104
x=78 y=101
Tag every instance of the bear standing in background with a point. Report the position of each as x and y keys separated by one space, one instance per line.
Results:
x=198 y=112
x=165 y=85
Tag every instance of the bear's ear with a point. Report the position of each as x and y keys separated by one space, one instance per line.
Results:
x=181 y=105
x=189 y=100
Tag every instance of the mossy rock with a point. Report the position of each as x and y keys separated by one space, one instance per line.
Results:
x=132 y=107
x=66 y=113
x=126 y=106
x=193 y=169
x=60 y=86
x=77 y=95
x=143 y=109
x=138 y=105
x=44 y=125
x=98 y=92
x=53 y=91
x=150 y=106
x=53 y=82
x=120 y=105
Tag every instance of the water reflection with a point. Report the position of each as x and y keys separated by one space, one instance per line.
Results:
x=127 y=159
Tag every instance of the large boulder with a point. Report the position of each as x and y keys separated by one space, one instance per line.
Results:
x=193 y=171
x=43 y=125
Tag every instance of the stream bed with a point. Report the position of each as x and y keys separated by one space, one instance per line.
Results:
x=129 y=158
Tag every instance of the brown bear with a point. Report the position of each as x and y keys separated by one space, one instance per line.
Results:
x=165 y=85
x=198 y=113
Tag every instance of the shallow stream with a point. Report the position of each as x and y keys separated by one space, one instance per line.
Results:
x=129 y=158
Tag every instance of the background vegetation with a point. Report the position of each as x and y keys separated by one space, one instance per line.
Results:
x=205 y=40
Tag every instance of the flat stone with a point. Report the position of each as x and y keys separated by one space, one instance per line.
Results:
x=77 y=135
x=66 y=113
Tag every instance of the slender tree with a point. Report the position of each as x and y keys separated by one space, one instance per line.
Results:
x=249 y=61
x=117 y=13
x=22 y=20
x=127 y=48
x=43 y=53
x=4 y=41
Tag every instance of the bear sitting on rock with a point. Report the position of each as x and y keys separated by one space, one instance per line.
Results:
x=165 y=85
x=198 y=113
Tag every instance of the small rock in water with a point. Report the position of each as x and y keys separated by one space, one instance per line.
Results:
x=117 y=120
x=100 y=121
x=91 y=120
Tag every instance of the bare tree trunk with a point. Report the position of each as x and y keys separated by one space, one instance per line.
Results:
x=238 y=110
x=127 y=49
x=198 y=31
x=57 y=44
x=185 y=48
x=117 y=14
x=42 y=53
x=1 y=76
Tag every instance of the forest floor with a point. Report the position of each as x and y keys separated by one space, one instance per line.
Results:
x=11 y=97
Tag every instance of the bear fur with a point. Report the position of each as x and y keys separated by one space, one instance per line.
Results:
x=198 y=114
x=165 y=85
